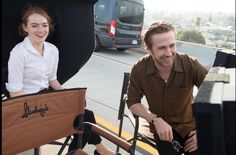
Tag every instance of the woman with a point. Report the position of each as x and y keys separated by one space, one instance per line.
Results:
x=32 y=67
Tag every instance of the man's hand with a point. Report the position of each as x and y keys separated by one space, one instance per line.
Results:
x=191 y=142
x=164 y=130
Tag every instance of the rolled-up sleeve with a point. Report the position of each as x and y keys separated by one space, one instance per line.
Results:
x=15 y=72
x=199 y=74
x=135 y=91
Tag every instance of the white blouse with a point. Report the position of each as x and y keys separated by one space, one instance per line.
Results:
x=28 y=70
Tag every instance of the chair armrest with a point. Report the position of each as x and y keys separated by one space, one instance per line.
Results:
x=110 y=136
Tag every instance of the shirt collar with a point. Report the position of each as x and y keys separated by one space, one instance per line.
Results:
x=150 y=65
x=27 y=44
x=177 y=66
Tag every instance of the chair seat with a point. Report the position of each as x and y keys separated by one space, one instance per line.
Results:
x=144 y=128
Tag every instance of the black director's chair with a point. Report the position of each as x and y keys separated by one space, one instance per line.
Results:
x=141 y=126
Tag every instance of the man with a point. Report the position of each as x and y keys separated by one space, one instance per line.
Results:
x=166 y=78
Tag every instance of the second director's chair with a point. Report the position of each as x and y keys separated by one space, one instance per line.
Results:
x=141 y=126
x=30 y=121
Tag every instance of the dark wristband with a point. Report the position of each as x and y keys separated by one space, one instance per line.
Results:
x=154 y=119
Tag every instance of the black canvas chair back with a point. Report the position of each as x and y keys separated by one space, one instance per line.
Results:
x=141 y=126
x=225 y=59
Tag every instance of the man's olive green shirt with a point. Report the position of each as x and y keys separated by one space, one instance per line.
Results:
x=172 y=100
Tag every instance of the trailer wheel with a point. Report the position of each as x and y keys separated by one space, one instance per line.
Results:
x=97 y=44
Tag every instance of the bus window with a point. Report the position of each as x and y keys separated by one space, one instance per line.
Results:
x=103 y=10
x=131 y=13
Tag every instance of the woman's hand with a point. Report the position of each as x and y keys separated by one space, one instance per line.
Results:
x=15 y=94
x=56 y=85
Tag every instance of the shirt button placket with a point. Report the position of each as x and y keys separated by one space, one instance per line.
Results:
x=164 y=100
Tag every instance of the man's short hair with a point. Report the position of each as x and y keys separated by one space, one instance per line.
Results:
x=156 y=28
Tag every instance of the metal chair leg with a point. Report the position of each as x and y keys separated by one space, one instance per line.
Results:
x=64 y=145
x=120 y=131
x=36 y=151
